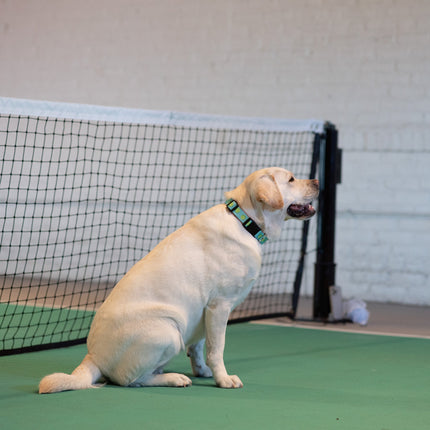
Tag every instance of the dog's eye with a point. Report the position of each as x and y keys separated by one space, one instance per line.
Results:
x=291 y=179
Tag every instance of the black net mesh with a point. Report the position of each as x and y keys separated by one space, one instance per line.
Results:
x=81 y=201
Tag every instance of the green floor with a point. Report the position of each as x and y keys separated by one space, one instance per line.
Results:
x=22 y=326
x=293 y=379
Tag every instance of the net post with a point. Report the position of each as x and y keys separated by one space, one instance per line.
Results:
x=305 y=231
x=329 y=177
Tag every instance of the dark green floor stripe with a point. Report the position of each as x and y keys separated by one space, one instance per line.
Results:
x=23 y=326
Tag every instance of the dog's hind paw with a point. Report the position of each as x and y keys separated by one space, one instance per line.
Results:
x=163 y=380
x=229 y=381
x=180 y=380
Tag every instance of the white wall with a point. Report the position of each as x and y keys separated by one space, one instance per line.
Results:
x=362 y=64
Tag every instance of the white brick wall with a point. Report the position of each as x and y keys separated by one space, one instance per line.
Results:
x=363 y=64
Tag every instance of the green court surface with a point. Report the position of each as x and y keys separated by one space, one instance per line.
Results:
x=293 y=379
x=23 y=326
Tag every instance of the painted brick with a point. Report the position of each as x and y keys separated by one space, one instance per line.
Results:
x=364 y=65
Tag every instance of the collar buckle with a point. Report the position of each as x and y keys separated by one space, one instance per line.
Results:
x=248 y=223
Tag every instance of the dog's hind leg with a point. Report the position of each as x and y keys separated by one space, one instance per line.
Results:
x=195 y=352
x=159 y=379
x=144 y=360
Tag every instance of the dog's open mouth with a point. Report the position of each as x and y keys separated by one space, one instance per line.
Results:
x=301 y=211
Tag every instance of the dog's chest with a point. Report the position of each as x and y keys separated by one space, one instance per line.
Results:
x=237 y=273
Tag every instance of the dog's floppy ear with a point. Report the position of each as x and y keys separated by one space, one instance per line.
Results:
x=266 y=191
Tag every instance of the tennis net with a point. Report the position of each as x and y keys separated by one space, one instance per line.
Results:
x=86 y=191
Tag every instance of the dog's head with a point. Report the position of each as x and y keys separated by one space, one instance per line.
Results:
x=273 y=195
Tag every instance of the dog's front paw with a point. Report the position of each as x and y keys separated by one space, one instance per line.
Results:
x=202 y=371
x=229 y=381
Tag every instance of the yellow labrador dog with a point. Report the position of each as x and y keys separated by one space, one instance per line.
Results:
x=181 y=294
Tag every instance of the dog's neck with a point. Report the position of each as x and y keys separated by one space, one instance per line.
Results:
x=270 y=222
x=248 y=223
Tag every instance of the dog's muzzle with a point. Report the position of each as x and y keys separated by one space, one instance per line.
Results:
x=305 y=210
x=301 y=211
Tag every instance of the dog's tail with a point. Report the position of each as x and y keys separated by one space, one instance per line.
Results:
x=84 y=376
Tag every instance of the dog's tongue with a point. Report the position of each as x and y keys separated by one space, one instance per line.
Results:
x=298 y=211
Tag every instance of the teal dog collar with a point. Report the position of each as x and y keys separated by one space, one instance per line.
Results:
x=248 y=223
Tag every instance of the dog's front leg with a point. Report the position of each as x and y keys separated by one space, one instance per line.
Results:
x=195 y=352
x=216 y=317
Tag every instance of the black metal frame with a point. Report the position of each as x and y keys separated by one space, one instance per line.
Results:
x=325 y=266
x=305 y=231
